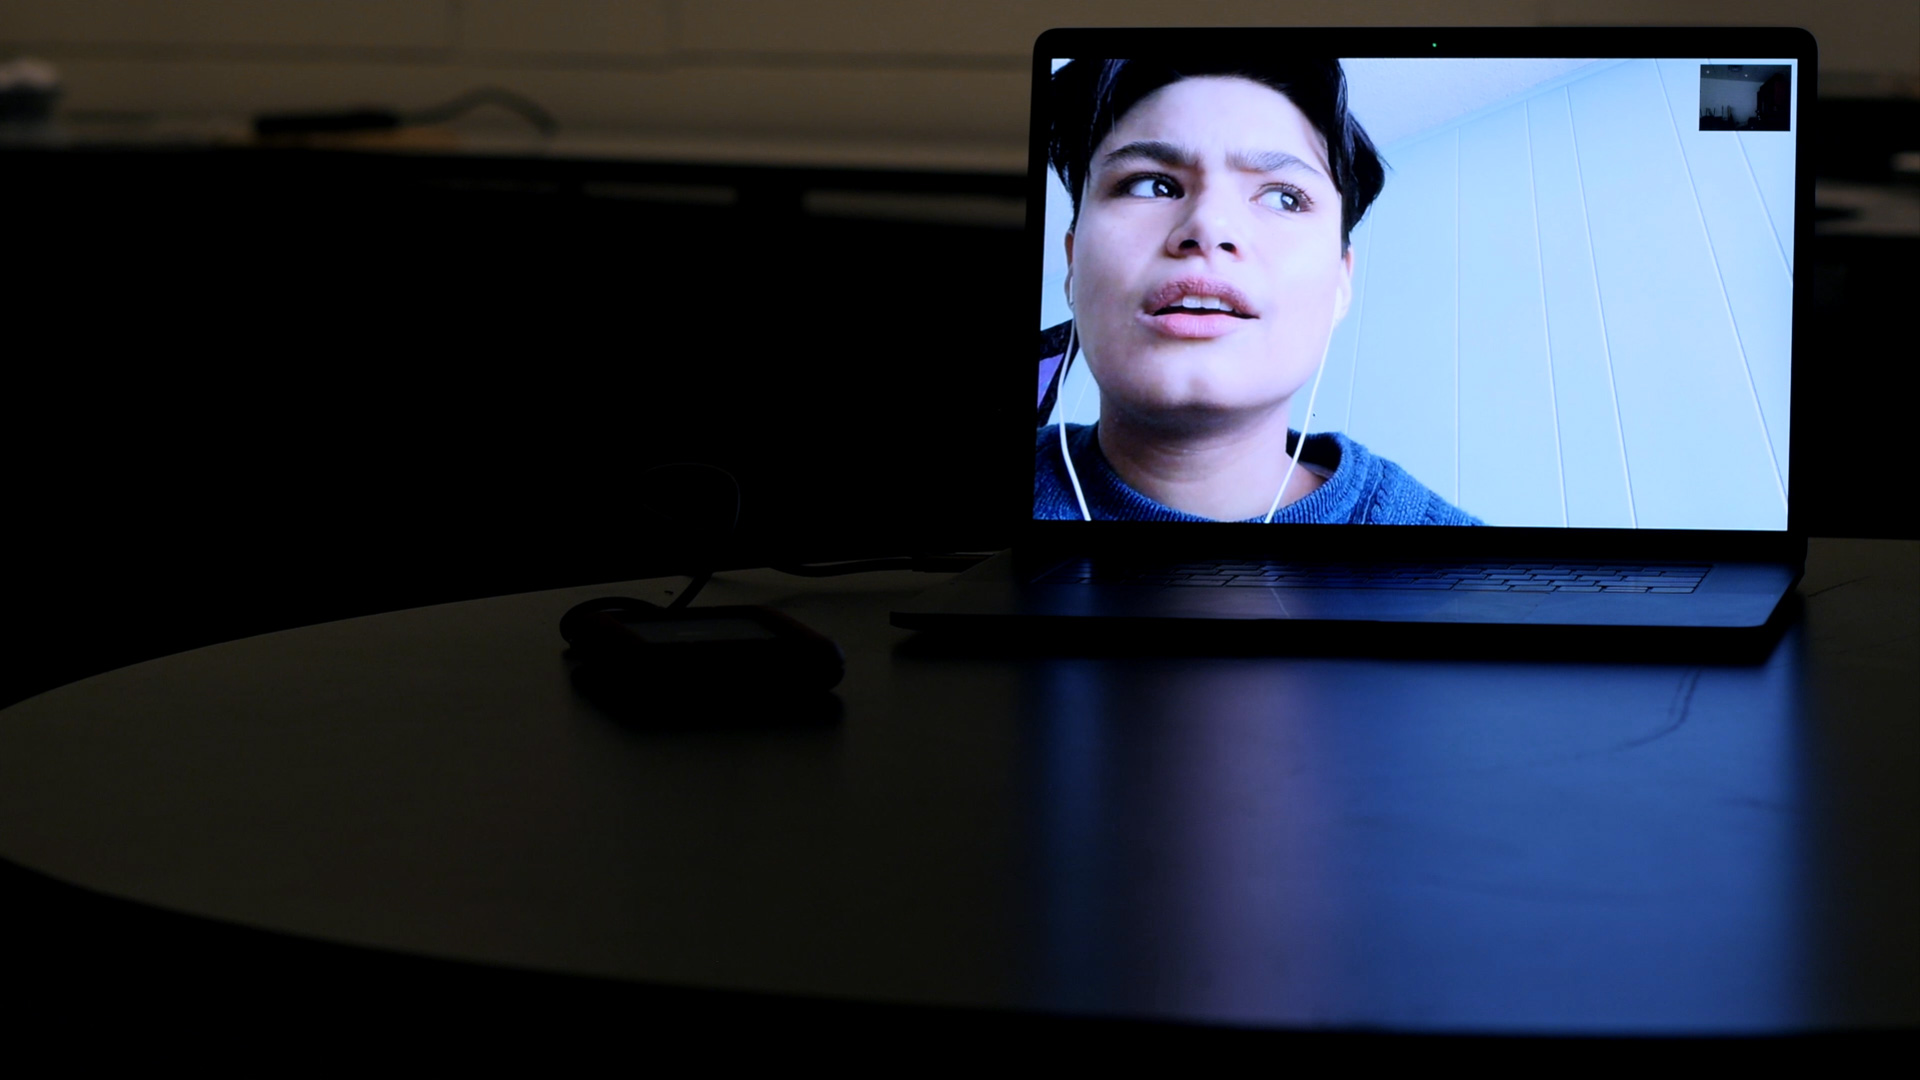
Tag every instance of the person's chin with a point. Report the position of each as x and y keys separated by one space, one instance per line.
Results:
x=1202 y=378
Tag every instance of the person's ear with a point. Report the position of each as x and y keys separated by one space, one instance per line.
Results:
x=1069 y=271
x=1344 y=296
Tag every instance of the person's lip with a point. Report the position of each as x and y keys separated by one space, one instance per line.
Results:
x=1159 y=312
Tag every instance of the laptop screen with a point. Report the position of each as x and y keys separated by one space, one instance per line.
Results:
x=1516 y=292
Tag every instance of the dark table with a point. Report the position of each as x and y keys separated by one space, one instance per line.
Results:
x=1333 y=842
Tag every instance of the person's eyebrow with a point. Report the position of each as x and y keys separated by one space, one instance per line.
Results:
x=1164 y=153
x=1267 y=161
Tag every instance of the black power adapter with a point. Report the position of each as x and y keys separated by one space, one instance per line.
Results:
x=692 y=664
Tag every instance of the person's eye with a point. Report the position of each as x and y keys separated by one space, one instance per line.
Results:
x=1289 y=199
x=1150 y=187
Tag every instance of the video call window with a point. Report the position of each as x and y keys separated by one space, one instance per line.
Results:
x=1746 y=97
x=1568 y=304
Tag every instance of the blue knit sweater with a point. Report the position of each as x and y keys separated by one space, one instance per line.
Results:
x=1360 y=488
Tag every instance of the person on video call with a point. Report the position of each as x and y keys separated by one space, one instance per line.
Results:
x=1208 y=264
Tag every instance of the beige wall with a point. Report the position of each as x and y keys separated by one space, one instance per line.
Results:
x=866 y=81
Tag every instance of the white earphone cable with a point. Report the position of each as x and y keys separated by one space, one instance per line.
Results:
x=1060 y=404
x=1294 y=462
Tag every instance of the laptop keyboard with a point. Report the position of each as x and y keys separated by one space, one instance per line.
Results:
x=1535 y=577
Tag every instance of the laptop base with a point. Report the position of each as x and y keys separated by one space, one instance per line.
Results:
x=1736 y=608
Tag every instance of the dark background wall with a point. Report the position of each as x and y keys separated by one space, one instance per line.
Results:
x=306 y=386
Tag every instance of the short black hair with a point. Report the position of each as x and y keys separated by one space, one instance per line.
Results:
x=1089 y=97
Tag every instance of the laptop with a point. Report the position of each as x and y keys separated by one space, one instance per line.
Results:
x=1431 y=328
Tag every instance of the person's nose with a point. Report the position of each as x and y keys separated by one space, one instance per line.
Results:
x=1208 y=226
